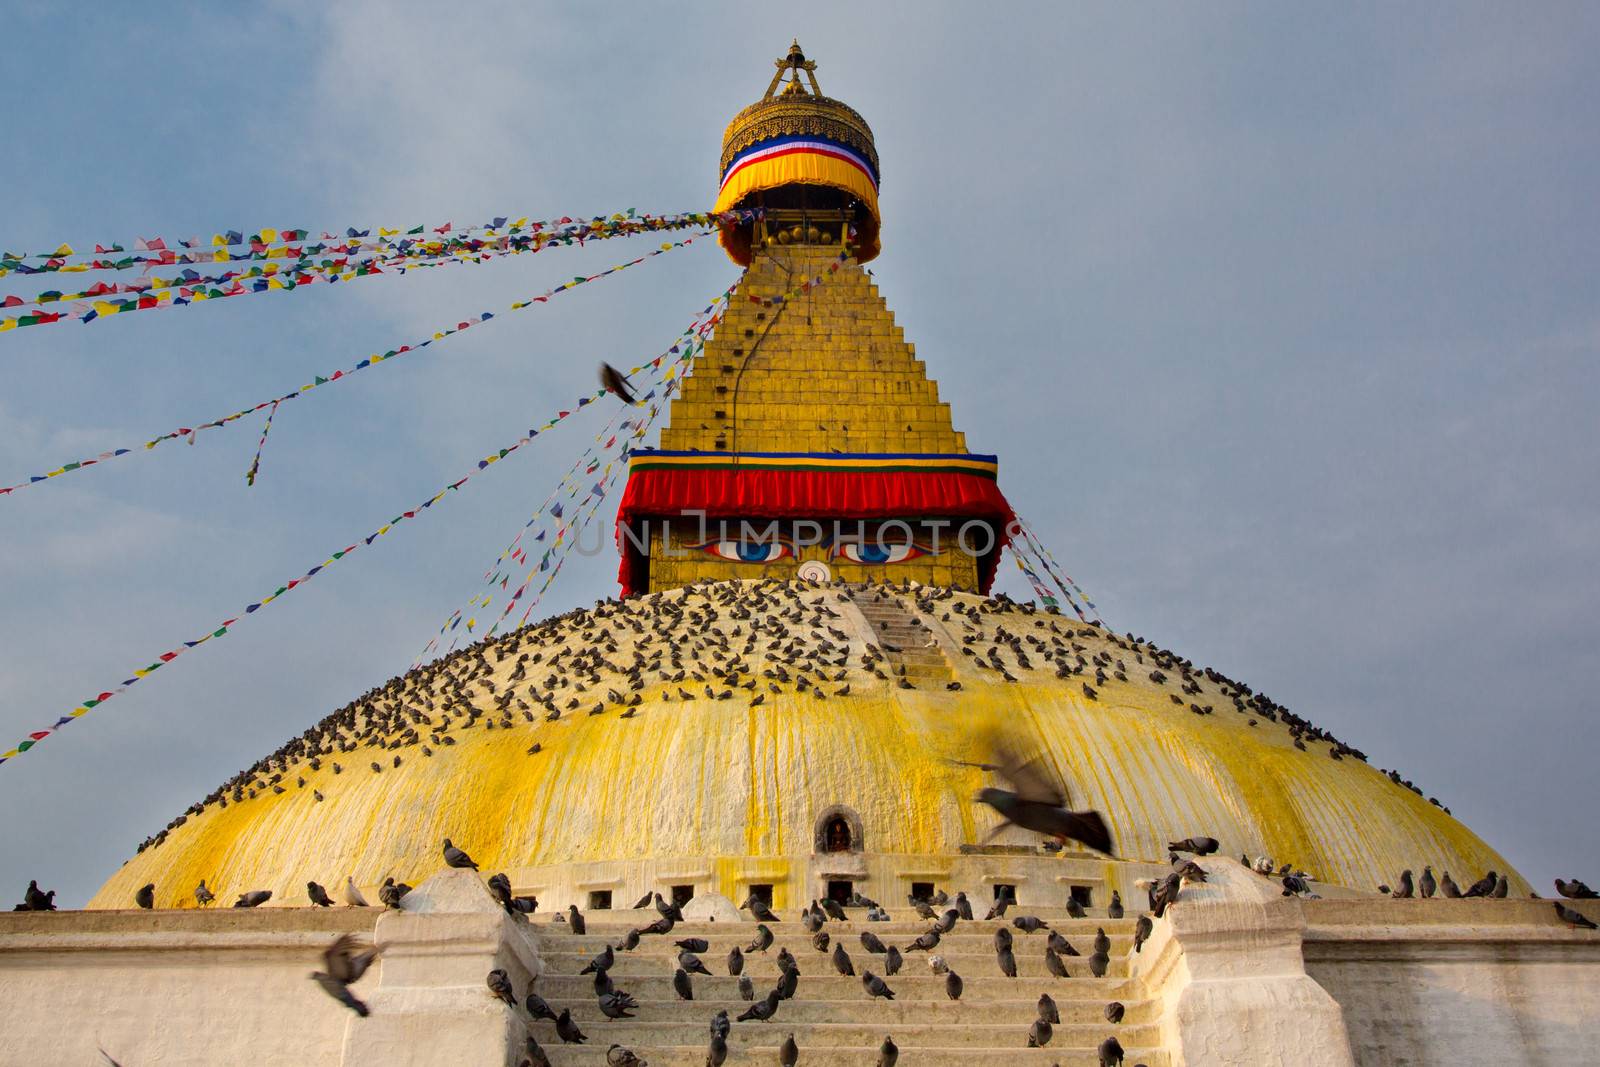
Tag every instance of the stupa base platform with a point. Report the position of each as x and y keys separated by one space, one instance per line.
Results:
x=1233 y=974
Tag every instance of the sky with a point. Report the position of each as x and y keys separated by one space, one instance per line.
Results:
x=1284 y=323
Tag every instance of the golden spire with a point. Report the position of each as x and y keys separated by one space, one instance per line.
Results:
x=796 y=62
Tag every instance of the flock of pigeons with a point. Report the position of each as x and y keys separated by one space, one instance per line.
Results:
x=715 y=641
x=616 y=1003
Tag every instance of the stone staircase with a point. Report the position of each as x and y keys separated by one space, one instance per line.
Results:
x=905 y=639
x=832 y=1018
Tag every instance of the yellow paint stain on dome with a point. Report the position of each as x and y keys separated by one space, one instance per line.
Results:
x=720 y=786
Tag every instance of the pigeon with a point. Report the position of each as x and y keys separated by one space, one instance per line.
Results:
x=1141 y=932
x=1571 y=917
x=617 y=1004
x=1448 y=887
x=888 y=1053
x=1294 y=885
x=146 y=896
x=789 y=1052
x=575 y=920
x=538 y=1008
x=346 y=960
x=1483 y=886
x=1048 y=1010
x=454 y=857
x=763 y=939
x=761 y=1010
x=787 y=962
x=318 y=895
x=642 y=902
x=253 y=899
x=1028 y=924
x=758 y=907
x=788 y=982
x=691 y=963
x=717 y=1052
x=892 y=961
x=833 y=910
x=1040 y=803
x=499 y=888
x=1075 y=910
x=998 y=910
x=1040 y=1033
x=392 y=892
x=735 y=961
x=534 y=1054
x=1110 y=1053
x=947 y=922
x=1102 y=943
x=963 y=906
x=1200 y=846
x=875 y=986
x=603 y=983
x=872 y=943
x=681 y=984
x=1053 y=964
x=1098 y=964
x=1008 y=961
x=568 y=1030
x=1061 y=945
x=1575 y=890
x=1165 y=893
x=617 y=1056
x=720 y=1023
x=1115 y=1011
x=747 y=988
x=1501 y=887
x=841 y=961
x=352 y=895
x=202 y=895
x=602 y=962
x=1405 y=891
x=925 y=942
x=820 y=940
x=1115 y=911
x=667 y=910
x=614 y=381
x=694 y=944
x=500 y=985
x=952 y=985
x=1425 y=885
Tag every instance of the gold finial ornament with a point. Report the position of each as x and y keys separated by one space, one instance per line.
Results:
x=798 y=151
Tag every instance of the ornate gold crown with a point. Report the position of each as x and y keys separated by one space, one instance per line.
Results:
x=797 y=110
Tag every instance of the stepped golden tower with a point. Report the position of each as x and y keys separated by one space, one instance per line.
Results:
x=809 y=440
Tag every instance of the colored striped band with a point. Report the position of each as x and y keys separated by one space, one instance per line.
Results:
x=798 y=144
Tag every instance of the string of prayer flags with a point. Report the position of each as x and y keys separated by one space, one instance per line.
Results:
x=1030 y=544
x=339 y=375
x=189 y=287
x=227 y=625
x=255 y=464
x=160 y=251
x=688 y=344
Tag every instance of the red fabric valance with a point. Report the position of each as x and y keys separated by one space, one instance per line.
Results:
x=758 y=493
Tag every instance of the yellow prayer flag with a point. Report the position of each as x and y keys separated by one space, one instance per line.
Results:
x=269 y=236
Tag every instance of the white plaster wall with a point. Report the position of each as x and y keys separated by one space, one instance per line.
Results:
x=172 y=988
x=1459 y=983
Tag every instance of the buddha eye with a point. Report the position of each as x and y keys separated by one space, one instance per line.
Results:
x=873 y=552
x=746 y=551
